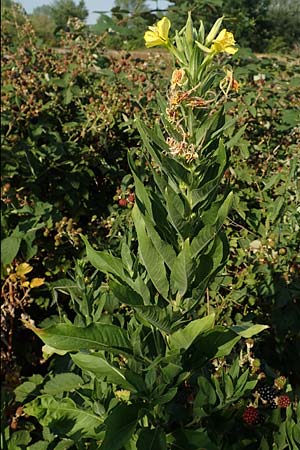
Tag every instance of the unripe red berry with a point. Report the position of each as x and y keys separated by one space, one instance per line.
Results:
x=283 y=401
x=123 y=202
x=250 y=415
x=131 y=198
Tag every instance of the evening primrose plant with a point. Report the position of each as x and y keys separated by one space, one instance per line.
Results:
x=146 y=339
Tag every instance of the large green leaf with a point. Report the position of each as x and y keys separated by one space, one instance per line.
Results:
x=224 y=211
x=125 y=294
x=62 y=382
x=154 y=316
x=144 y=133
x=177 y=213
x=120 y=426
x=95 y=336
x=183 y=270
x=151 y=258
x=248 y=330
x=20 y=437
x=141 y=193
x=201 y=194
x=102 y=369
x=109 y=264
x=202 y=239
x=64 y=416
x=9 y=248
x=214 y=343
x=104 y=261
x=166 y=250
x=183 y=338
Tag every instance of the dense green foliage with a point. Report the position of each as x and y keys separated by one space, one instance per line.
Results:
x=262 y=25
x=68 y=123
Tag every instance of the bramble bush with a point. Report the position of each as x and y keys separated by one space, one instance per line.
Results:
x=166 y=316
x=64 y=112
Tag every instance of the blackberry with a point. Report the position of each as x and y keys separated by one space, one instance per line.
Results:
x=267 y=393
x=251 y=415
x=260 y=419
x=273 y=405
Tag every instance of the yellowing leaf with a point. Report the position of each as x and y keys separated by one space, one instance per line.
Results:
x=36 y=282
x=23 y=269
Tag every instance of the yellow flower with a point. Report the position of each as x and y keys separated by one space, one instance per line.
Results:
x=158 y=34
x=23 y=269
x=224 y=42
x=36 y=282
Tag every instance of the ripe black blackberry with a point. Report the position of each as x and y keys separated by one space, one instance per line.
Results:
x=267 y=393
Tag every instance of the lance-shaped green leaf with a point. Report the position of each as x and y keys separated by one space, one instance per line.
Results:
x=104 y=261
x=183 y=270
x=183 y=338
x=195 y=62
x=142 y=196
x=220 y=341
x=177 y=213
x=201 y=194
x=166 y=250
x=98 y=366
x=125 y=294
x=150 y=257
x=99 y=336
x=65 y=416
x=111 y=265
x=154 y=316
x=62 y=382
x=248 y=330
x=202 y=239
x=214 y=343
x=127 y=258
x=147 y=136
x=224 y=211
x=120 y=426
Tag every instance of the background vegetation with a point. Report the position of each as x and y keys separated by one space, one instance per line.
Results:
x=68 y=109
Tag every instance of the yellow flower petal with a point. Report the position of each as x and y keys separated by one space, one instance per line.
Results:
x=163 y=27
x=36 y=282
x=231 y=50
x=158 y=34
x=25 y=284
x=23 y=269
x=224 y=42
